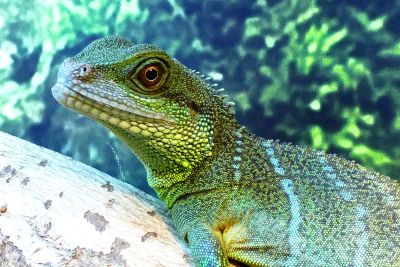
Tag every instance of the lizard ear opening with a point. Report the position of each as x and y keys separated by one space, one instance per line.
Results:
x=193 y=109
x=150 y=75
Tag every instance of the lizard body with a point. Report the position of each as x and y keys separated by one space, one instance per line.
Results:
x=233 y=196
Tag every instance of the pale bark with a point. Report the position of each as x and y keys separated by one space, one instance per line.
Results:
x=55 y=211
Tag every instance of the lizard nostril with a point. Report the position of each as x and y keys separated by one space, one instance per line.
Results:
x=85 y=70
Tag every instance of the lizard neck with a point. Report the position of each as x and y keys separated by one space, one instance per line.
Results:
x=209 y=174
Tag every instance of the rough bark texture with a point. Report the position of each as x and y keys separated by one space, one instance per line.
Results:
x=55 y=211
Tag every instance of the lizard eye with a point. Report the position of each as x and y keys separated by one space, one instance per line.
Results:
x=150 y=76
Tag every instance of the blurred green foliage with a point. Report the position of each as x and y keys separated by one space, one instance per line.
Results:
x=320 y=73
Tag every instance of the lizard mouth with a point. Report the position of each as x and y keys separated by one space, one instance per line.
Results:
x=101 y=108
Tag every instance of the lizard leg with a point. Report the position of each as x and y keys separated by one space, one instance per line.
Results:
x=207 y=247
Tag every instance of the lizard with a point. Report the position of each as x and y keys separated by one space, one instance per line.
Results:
x=236 y=198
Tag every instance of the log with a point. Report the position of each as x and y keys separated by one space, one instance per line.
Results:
x=55 y=211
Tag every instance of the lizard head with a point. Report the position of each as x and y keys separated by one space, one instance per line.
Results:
x=163 y=111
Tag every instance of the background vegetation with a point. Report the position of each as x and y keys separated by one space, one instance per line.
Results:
x=320 y=73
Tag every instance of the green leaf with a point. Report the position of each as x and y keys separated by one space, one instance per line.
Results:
x=378 y=158
x=393 y=51
x=333 y=39
x=243 y=100
x=317 y=137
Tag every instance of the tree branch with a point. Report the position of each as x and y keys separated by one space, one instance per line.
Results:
x=55 y=211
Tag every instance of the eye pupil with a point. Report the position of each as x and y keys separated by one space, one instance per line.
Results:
x=151 y=74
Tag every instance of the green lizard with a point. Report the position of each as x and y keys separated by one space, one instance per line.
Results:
x=233 y=196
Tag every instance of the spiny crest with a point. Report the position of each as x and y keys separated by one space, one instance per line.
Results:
x=216 y=91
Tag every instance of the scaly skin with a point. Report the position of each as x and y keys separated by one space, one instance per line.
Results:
x=233 y=196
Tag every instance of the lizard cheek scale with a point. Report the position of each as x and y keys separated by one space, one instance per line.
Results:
x=235 y=197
